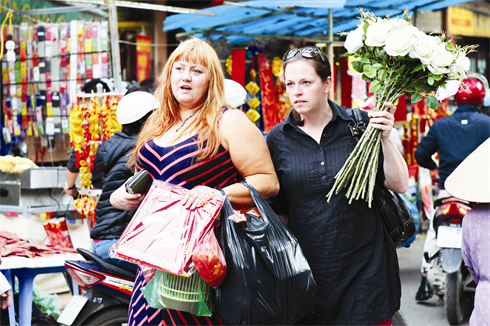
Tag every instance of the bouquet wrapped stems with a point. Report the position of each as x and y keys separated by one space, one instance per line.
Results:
x=361 y=166
x=396 y=58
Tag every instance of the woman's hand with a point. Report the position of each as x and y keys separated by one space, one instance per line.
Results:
x=198 y=196
x=120 y=199
x=384 y=120
x=6 y=299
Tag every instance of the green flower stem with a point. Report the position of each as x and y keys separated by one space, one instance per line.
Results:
x=360 y=169
x=364 y=181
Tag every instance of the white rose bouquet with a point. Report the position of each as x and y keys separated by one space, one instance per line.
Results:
x=396 y=58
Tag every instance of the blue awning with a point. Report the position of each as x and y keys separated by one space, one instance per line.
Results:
x=293 y=20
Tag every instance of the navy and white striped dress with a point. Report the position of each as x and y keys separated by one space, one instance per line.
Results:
x=177 y=165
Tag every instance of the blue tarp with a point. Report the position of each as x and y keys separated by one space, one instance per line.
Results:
x=273 y=17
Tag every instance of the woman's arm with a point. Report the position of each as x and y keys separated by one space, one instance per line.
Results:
x=395 y=168
x=251 y=157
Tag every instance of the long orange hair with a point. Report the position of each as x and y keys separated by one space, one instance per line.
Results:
x=195 y=51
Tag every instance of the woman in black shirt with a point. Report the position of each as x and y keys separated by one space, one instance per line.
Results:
x=353 y=259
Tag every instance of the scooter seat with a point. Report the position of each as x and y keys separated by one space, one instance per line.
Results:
x=107 y=266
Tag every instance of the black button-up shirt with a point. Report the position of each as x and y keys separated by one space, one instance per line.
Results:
x=352 y=258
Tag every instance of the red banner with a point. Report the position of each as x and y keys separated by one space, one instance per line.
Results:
x=269 y=112
x=143 y=57
x=238 y=66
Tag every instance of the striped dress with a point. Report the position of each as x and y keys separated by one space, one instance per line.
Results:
x=177 y=165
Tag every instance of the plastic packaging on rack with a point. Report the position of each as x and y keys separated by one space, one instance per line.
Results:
x=163 y=233
x=209 y=260
x=168 y=291
x=57 y=232
x=268 y=280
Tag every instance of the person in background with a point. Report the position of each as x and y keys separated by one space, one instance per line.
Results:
x=470 y=181
x=72 y=171
x=352 y=257
x=195 y=141
x=453 y=137
x=110 y=160
x=236 y=96
x=5 y=292
x=148 y=84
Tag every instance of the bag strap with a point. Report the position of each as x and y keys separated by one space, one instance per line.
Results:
x=358 y=126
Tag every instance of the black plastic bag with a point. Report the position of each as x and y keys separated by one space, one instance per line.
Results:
x=268 y=280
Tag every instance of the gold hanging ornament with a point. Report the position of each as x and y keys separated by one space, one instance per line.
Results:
x=277 y=67
x=228 y=65
x=89 y=127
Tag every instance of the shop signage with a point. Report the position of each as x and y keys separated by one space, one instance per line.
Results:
x=467 y=23
x=18 y=5
x=268 y=95
x=143 y=57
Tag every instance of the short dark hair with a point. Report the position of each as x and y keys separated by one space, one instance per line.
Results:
x=148 y=83
x=322 y=67
x=134 y=128
x=91 y=86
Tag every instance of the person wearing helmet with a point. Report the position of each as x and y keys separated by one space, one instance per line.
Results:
x=453 y=137
x=110 y=160
x=235 y=94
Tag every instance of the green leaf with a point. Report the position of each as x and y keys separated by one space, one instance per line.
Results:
x=364 y=60
x=374 y=86
x=366 y=78
x=369 y=71
x=430 y=81
x=357 y=65
x=417 y=68
x=432 y=102
x=425 y=88
x=405 y=82
x=377 y=65
x=382 y=74
x=400 y=70
x=416 y=97
x=437 y=77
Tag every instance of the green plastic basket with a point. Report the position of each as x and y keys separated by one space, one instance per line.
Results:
x=184 y=293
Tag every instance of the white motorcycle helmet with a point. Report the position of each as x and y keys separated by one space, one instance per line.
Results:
x=235 y=94
x=135 y=106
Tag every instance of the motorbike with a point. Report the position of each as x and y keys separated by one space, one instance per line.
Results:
x=105 y=292
x=448 y=277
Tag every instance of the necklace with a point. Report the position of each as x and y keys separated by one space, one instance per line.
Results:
x=183 y=121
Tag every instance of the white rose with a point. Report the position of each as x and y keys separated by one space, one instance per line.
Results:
x=399 y=41
x=397 y=23
x=354 y=40
x=441 y=59
x=377 y=33
x=447 y=90
x=423 y=48
x=458 y=70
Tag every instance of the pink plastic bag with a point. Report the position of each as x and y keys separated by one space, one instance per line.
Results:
x=163 y=234
x=209 y=260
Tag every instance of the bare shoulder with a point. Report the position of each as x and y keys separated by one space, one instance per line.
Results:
x=235 y=122
x=236 y=127
x=233 y=117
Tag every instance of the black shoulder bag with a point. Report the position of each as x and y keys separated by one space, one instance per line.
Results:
x=395 y=214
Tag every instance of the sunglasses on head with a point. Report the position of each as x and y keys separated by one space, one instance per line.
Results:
x=309 y=52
